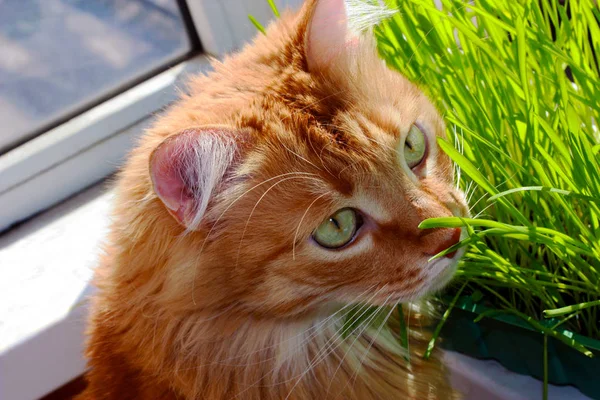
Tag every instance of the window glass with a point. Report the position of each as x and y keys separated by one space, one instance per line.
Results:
x=58 y=57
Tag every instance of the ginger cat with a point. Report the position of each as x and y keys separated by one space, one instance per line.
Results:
x=283 y=192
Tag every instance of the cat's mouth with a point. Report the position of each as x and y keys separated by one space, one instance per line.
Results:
x=434 y=276
x=442 y=272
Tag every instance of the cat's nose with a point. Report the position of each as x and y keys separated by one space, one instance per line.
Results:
x=449 y=238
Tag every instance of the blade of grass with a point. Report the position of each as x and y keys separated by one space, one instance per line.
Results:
x=257 y=24
x=440 y=325
x=273 y=8
x=545 y=361
x=403 y=332
x=557 y=312
x=543 y=189
x=536 y=325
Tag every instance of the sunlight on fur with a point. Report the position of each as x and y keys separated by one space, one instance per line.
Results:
x=363 y=15
x=282 y=193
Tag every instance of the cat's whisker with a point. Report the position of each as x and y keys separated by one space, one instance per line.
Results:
x=467 y=190
x=460 y=146
x=457 y=174
x=331 y=319
x=486 y=215
x=362 y=360
x=321 y=157
x=486 y=194
x=478 y=200
x=472 y=207
x=323 y=164
x=224 y=362
x=300 y=157
x=322 y=351
x=471 y=188
x=356 y=171
x=339 y=175
x=419 y=44
x=506 y=180
x=443 y=53
x=366 y=326
x=258 y=202
x=331 y=346
x=428 y=33
x=247 y=192
x=293 y=354
x=480 y=213
x=300 y=223
x=227 y=209
x=364 y=306
x=410 y=308
x=316 y=327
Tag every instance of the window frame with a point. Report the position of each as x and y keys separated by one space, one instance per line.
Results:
x=90 y=146
x=84 y=150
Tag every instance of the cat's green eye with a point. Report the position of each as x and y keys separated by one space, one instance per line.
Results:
x=338 y=230
x=415 y=147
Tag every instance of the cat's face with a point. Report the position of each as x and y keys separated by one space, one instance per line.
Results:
x=313 y=194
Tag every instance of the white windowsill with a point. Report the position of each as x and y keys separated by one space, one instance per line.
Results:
x=85 y=149
x=45 y=268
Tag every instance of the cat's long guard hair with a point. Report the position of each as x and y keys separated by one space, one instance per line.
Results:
x=212 y=286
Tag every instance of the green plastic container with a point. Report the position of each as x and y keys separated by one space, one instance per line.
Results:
x=518 y=347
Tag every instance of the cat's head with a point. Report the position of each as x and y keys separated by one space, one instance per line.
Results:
x=310 y=193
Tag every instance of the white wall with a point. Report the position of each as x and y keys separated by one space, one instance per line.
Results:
x=223 y=25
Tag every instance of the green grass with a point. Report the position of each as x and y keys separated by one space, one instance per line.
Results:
x=526 y=145
x=526 y=141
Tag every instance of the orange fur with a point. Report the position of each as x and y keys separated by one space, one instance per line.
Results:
x=244 y=305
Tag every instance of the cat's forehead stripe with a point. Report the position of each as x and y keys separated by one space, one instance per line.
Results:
x=375 y=128
x=390 y=119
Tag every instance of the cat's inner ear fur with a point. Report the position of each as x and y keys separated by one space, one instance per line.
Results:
x=188 y=168
x=327 y=33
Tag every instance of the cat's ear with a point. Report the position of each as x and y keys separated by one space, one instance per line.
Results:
x=188 y=168
x=327 y=33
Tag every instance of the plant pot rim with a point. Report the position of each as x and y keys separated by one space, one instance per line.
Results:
x=466 y=303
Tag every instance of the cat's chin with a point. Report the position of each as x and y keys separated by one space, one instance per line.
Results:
x=442 y=272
